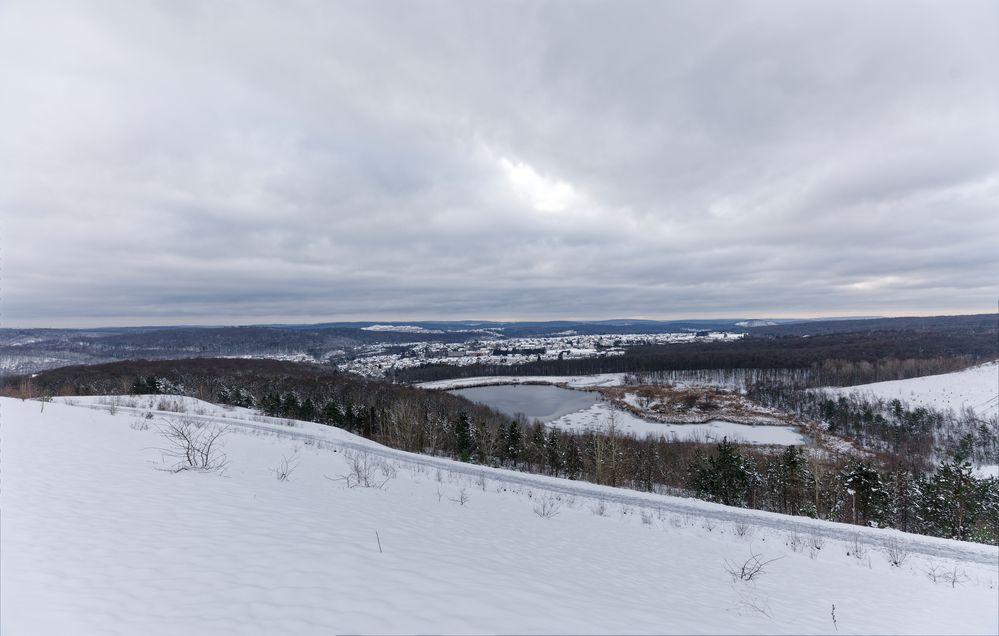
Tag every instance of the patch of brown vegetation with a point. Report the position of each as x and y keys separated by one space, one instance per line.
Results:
x=686 y=404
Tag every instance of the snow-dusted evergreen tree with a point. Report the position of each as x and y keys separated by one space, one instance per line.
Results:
x=789 y=481
x=513 y=442
x=723 y=476
x=867 y=498
x=553 y=451
x=953 y=500
x=463 y=437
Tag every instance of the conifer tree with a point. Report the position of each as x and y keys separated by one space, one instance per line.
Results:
x=463 y=437
x=513 y=442
x=867 y=497
x=952 y=499
x=723 y=477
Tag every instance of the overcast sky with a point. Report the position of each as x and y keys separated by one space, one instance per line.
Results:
x=239 y=162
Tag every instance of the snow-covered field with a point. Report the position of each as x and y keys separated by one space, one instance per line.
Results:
x=976 y=388
x=97 y=538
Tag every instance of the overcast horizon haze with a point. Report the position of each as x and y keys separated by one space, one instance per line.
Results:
x=126 y=324
x=170 y=163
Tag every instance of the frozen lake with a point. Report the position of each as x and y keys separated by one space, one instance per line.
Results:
x=542 y=402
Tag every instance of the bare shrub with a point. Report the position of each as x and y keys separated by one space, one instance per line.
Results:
x=194 y=446
x=647 y=517
x=896 y=553
x=742 y=529
x=795 y=541
x=366 y=470
x=857 y=549
x=599 y=508
x=955 y=576
x=139 y=425
x=462 y=497
x=751 y=569
x=286 y=467
x=173 y=406
x=815 y=542
x=935 y=572
x=547 y=507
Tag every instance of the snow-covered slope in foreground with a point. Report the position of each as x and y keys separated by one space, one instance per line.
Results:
x=975 y=388
x=95 y=539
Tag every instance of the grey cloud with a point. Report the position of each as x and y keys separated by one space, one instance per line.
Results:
x=203 y=162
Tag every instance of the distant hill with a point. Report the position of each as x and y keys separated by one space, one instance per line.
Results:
x=970 y=324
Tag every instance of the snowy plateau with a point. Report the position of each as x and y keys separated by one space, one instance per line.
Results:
x=99 y=536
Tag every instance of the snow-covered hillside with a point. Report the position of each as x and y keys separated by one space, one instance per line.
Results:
x=97 y=537
x=976 y=388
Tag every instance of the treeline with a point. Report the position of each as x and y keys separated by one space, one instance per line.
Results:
x=830 y=372
x=242 y=382
x=883 y=490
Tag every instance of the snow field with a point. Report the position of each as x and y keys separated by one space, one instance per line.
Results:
x=96 y=538
x=976 y=388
